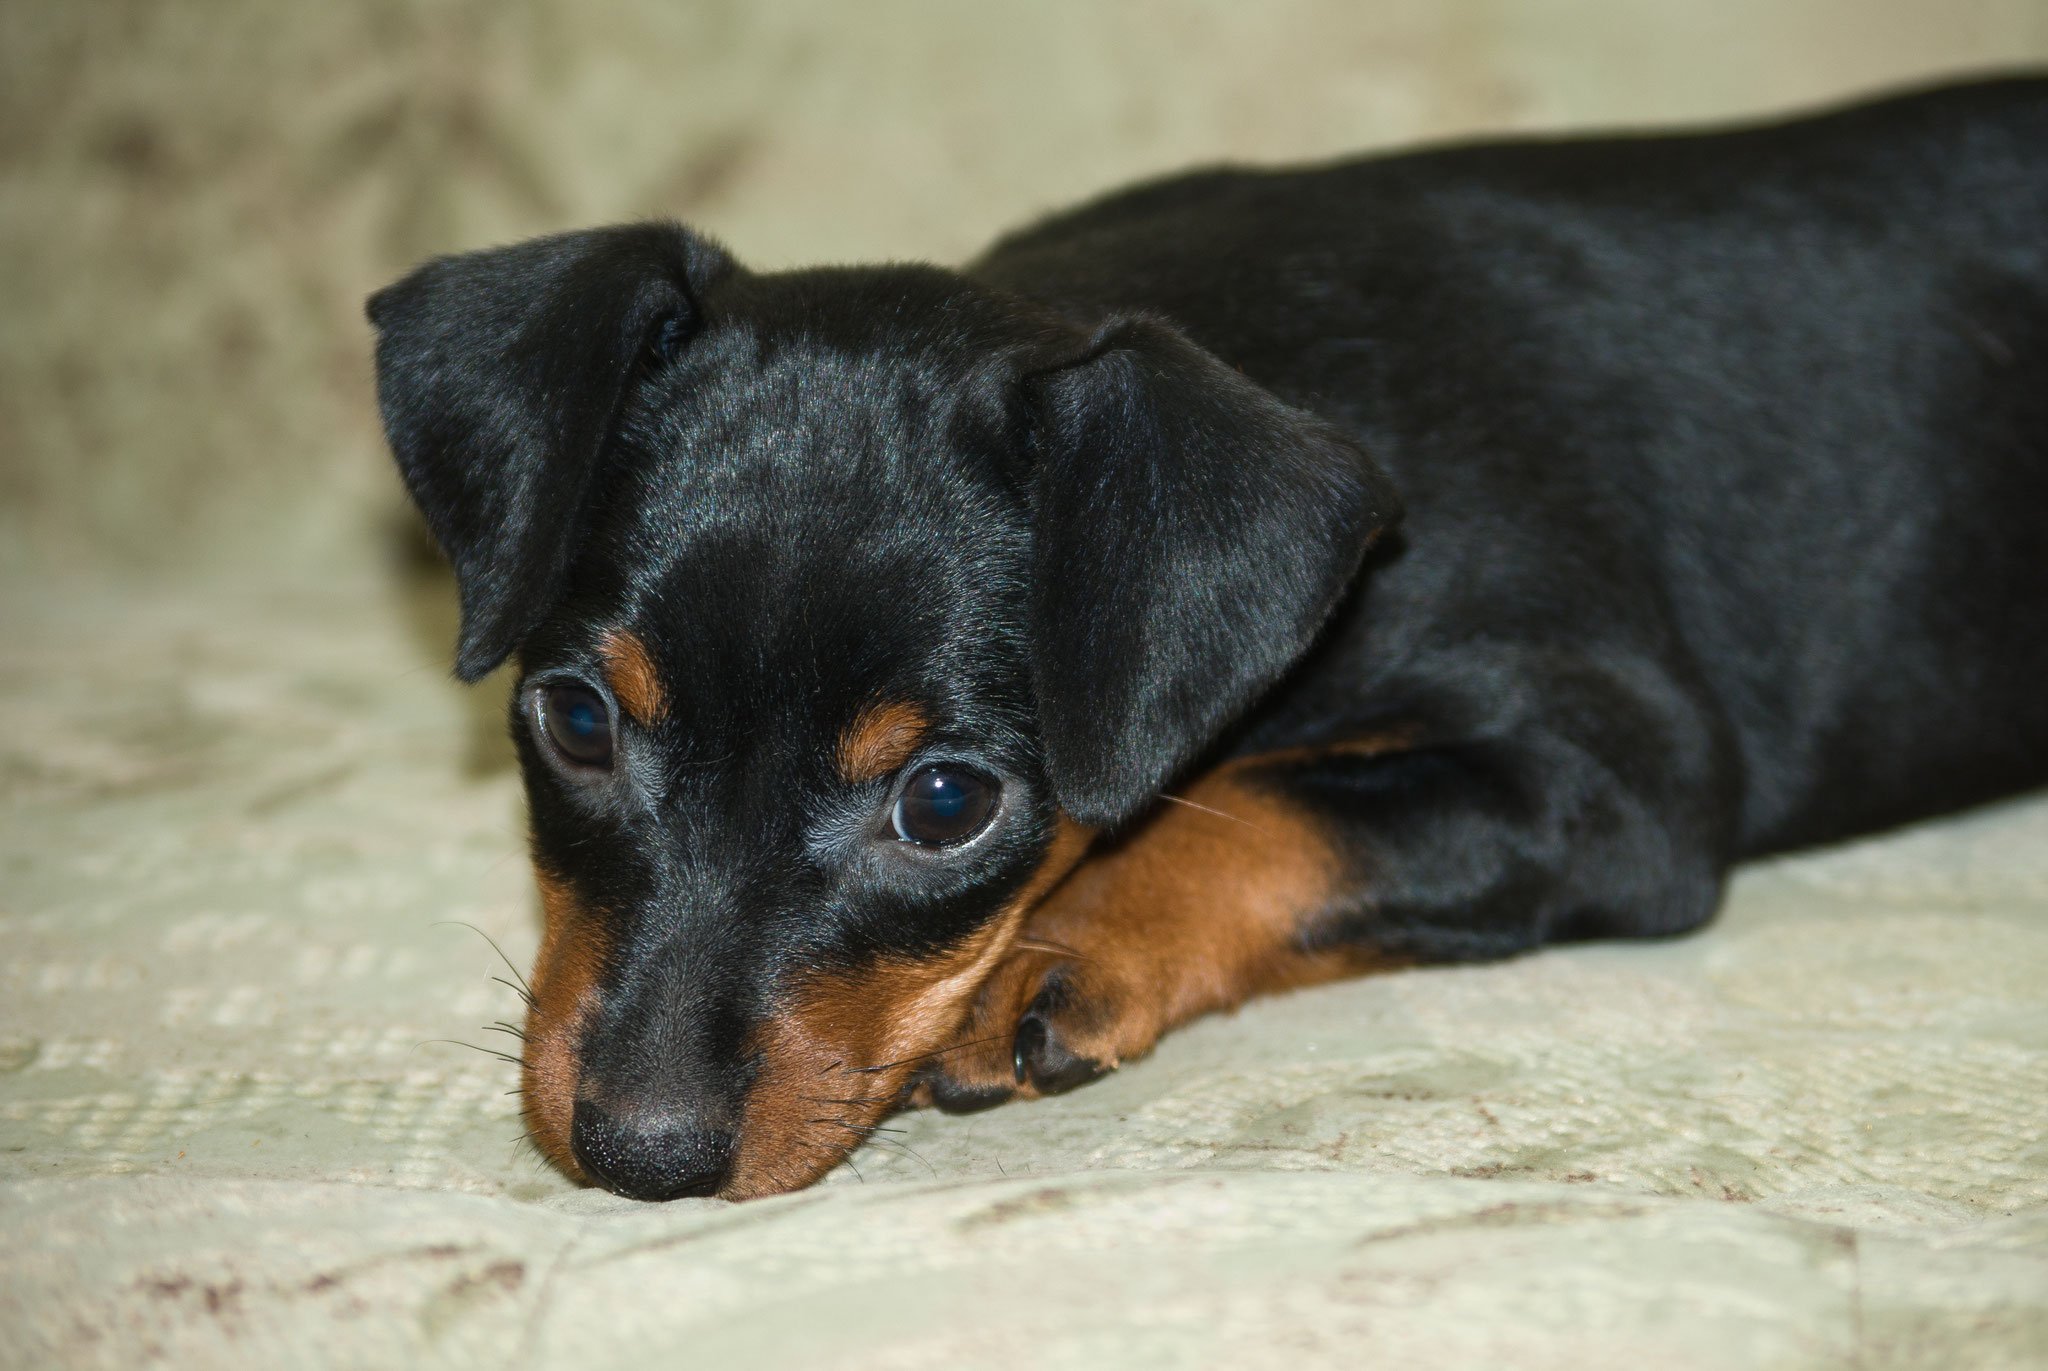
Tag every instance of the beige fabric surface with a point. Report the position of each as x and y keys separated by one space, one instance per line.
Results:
x=229 y=1135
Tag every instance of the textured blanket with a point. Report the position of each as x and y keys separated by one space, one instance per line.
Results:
x=231 y=1133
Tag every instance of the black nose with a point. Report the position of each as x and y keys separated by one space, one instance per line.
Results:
x=645 y=1155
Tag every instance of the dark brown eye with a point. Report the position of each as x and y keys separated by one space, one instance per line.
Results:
x=943 y=805
x=577 y=723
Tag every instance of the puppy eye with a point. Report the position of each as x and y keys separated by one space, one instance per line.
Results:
x=942 y=806
x=577 y=723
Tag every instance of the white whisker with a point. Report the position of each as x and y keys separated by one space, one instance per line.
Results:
x=1219 y=814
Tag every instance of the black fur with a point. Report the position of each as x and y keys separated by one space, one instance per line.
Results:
x=500 y=375
x=1722 y=459
x=1161 y=479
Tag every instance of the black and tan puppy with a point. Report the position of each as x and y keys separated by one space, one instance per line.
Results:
x=935 y=685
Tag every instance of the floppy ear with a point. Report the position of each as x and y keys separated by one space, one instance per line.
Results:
x=501 y=375
x=1192 y=533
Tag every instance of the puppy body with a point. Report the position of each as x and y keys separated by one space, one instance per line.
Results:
x=1719 y=456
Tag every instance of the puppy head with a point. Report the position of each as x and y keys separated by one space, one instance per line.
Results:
x=846 y=603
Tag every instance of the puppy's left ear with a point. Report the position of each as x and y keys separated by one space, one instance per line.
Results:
x=501 y=375
x=1192 y=533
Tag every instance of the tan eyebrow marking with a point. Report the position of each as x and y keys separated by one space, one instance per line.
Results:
x=880 y=739
x=631 y=673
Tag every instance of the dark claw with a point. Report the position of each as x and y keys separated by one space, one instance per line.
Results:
x=1030 y=1042
x=1045 y=1060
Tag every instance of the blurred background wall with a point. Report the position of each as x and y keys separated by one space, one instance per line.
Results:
x=195 y=198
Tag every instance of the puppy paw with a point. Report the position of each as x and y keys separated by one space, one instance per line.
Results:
x=1044 y=1023
x=1193 y=911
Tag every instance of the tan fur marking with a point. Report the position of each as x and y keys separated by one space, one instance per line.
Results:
x=572 y=949
x=633 y=679
x=1199 y=908
x=880 y=739
x=1371 y=745
x=836 y=1060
